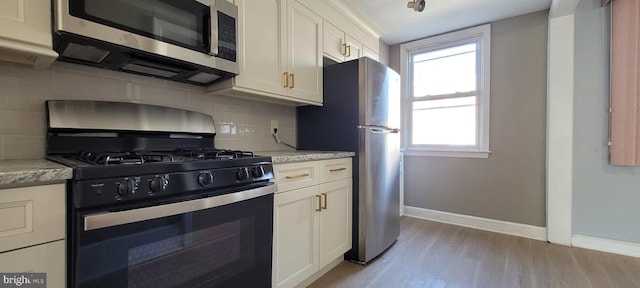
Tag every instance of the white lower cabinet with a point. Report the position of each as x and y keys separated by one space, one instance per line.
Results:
x=295 y=236
x=334 y=232
x=46 y=258
x=32 y=231
x=312 y=224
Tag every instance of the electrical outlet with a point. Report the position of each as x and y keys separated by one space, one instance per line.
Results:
x=274 y=125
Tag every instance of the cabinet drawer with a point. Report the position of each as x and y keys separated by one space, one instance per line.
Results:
x=335 y=169
x=31 y=215
x=296 y=175
x=46 y=258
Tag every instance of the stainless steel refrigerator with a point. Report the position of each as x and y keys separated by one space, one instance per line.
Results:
x=361 y=113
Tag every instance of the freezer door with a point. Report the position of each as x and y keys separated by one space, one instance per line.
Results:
x=379 y=186
x=379 y=94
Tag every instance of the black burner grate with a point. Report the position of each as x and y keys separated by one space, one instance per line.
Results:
x=212 y=153
x=122 y=158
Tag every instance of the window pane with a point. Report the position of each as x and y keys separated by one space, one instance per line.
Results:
x=443 y=103
x=445 y=52
x=443 y=122
x=445 y=71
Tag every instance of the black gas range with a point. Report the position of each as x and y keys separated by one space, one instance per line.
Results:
x=153 y=203
x=112 y=177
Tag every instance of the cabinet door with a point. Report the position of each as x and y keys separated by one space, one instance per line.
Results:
x=31 y=215
x=25 y=32
x=45 y=258
x=354 y=49
x=304 y=52
x=335 y=220
x=333 y=42
x=295 y=247
x=26 y=21
x=261 y=45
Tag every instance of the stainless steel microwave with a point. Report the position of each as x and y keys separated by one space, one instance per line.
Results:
x=192 y=41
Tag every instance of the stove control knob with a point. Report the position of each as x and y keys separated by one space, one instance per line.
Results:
x=205 y=178
x=127 y=187
x=257 y=172
x=242 y=174
x=159 y=184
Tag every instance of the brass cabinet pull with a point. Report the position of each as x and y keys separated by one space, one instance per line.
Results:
x=324 y=203
x=319 y=203
x=286 y=79
x=348 y=51
x=337 y=169
x=293 y=81
x=344 y=49
x=298 y=176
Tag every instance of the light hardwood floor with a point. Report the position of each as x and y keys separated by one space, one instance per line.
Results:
x=431 y=254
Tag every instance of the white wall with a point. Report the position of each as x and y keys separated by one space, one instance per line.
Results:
x=241 y=124
x=606 y=199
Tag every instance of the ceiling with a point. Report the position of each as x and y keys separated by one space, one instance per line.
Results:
x=398 y=24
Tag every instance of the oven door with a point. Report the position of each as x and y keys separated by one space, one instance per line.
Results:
x=220 y=241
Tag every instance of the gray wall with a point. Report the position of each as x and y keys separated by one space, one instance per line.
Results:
x=510 y=184
x=394 y=57
x=605 y=198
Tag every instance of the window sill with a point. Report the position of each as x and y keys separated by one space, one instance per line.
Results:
x=451 y=154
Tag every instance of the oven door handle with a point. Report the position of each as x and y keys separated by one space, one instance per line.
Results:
x=110 y=219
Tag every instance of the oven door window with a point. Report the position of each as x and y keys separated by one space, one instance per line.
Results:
x=227 y=246
x=182 y=23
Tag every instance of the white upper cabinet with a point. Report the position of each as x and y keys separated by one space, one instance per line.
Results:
x=261 y=45
x=304 y=54
x=280 y=47
x=353 y=48
x=370 y=53
x=25 y=32
x=338 y=45
x=334 y=42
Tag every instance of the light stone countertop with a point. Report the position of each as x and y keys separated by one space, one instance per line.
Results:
x=32 y=172
x=301 y=155
x=41 y=171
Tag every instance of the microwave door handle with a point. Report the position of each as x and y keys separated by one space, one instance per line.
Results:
x=213 y=36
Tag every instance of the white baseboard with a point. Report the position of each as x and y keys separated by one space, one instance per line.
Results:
x=504 y=227
x=606 y=245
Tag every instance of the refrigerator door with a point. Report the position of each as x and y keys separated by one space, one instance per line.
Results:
x=379 y=159
x=379 y=95
x=379 y=201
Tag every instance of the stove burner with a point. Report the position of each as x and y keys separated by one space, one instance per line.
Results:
x=117 y=158
x=212 y=153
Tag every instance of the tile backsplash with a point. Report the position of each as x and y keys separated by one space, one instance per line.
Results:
x=240 y=123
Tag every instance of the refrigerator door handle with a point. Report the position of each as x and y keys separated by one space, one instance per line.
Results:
x=379 y=129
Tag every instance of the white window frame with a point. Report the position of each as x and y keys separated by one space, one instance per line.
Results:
x=480 y=35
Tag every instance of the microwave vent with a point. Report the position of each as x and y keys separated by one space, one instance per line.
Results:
x=149 y=70
x=203 y=77
x=85 y=53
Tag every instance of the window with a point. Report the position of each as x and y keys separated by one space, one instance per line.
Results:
x=446 y=94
